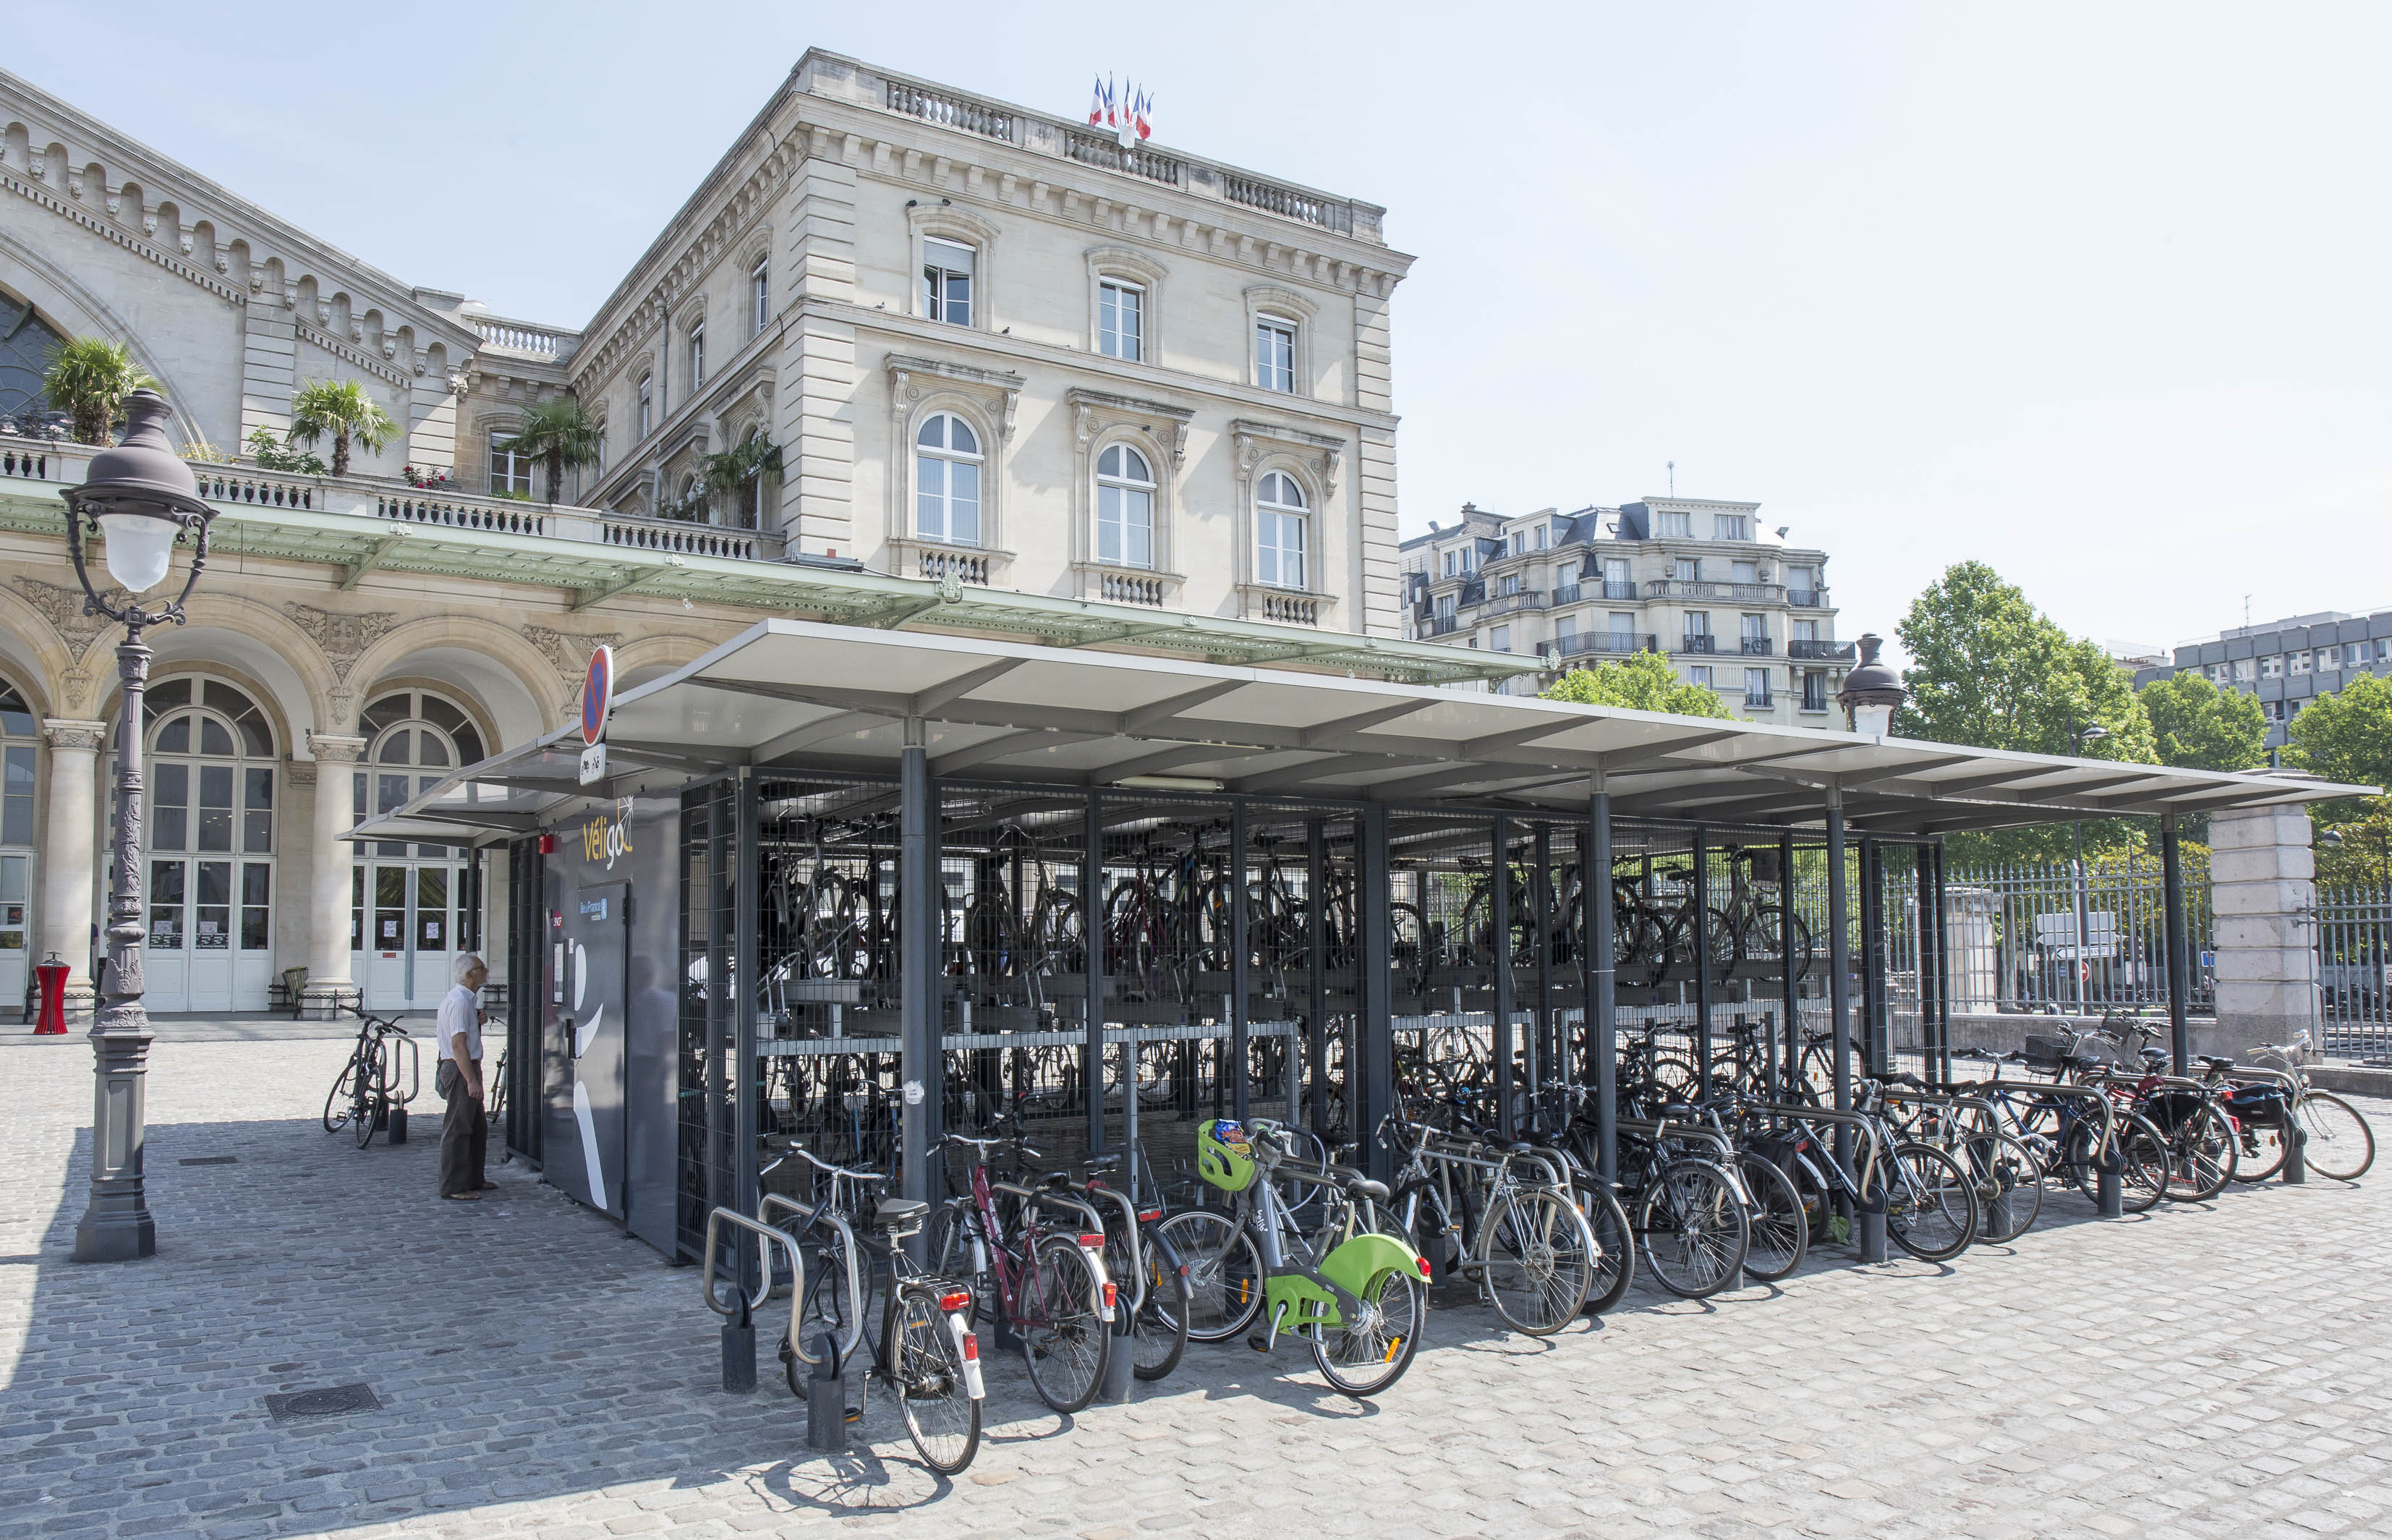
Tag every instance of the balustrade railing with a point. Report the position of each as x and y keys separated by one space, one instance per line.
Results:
x=1138 y=160
x=495 y=516
x=1288 y=203
x=1566 y=593
x=1820 y=651
x=1127 y=588
x=950 y=110
x=1608 y=642
x=1807 y=598
x=964 y=566
x=519 y=336
x=1680 y=588
x=1758 y=647
x=1294 y=609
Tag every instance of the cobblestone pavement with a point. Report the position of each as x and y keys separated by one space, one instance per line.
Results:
x=2218 y=1371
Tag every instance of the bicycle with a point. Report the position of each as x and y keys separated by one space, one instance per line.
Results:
x=1356 y=1294
x=1507 y=1214
x=360 y=1098
x=2336 y=1140
x=1049 y=1287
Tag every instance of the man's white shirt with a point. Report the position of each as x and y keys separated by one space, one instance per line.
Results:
x=460 y=1013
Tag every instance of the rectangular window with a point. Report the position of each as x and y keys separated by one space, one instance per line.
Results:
x=358 y=903
x=216 y=807
x=2244 y=669
x=760 y=289
x=1120 y=321
x=166 y=905
x=1756 y=686
x=257 y=811
x=1564 y=628
x=1801 y=584
x=1753 y=628
x=1699 y=674
x=1744 y=571
x=2356 y=655
x=1673 y=525
x=170 y=806
x=697 y=355
x=17 y=805
x=1448 y=564
x=1686 y=569
x=1806 y=630
x=1698 y=622
x=2271 y=668
x=1623 y=626
x=647 y=406
x=1511 y=583
x=1540 y=537
x=1279 y=548
x=1275 y=354
x=211 y=917
x=1730 y=526
x=2300 y=662
x=509 y=471
x=947 y=282
x=1445 y=606
x=1814 y=691
x=1502 y=639
x=256 y=879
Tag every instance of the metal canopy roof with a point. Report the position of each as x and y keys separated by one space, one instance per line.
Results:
x=798 y=694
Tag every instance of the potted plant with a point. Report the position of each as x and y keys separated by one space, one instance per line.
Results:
x=88 y=379
x=558 y=433
x=342 y=410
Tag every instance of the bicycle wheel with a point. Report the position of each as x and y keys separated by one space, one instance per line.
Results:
x=1777 y=1223
x=336 y=1106
x=366 y=1103
x=1692 y=1228
x=2339 y=1144
x=1930 y=1205
x=1540 y=1261
x=1158 y=1327
x=1366 y=1356
x=2146 y=1149
x=2004 y=1170
x=1615 y=1249
x=1065 y=1337
x=941 y=1417
x=1225 y=1272
x=2201 y=1155
x=2261 y=1153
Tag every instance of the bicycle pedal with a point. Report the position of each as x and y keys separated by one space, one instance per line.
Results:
x=1260 y=1343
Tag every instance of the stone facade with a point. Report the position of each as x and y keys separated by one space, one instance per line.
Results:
x=355 y=637
x=2264 y=893
x=1729 y=603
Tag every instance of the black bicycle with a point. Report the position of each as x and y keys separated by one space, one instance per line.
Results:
x=360 y=1098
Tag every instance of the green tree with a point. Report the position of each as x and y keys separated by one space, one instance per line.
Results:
x=342 y=410
x=1644 y=683
x=2356 y=850
x=1991 y=670
x=557 y=432
x=754 y=462
x=88 y=379
x=2346 y=737
x=2198 y=726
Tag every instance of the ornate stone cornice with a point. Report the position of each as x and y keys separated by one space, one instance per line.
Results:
x=909 y=378
x=1092 y=411
x=343 y=638
x=569 y=651
x=63 y=608
x=68 y=732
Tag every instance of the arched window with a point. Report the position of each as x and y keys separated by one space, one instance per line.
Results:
x=1125 y=508
x=415 y=903
x=211 y=775
x=1279 y=532
x=26 y=345
x=946 y=480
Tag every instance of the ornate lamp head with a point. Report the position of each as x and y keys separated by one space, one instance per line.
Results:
x=141 y=499
x=1872 y=691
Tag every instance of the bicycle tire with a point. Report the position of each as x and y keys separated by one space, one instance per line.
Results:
x=1159 y=1330
x=367 y=1106
x=1361 y=1358
x=1539 y=1236
x=336 y=1112
x=1065 y=1337
x=1691 y=1206
x=1615 y=1257
x=2262 y=1153
x=1225 y=1272
x=941 y=1415
x=2201 y=1155
x=1778 y=1225
x=2339 y=1145
x=1930 y=1209
x=2145 y=1180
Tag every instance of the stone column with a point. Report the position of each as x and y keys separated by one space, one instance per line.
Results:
x=329 y=985
x=69 y=861
x=2263 y=896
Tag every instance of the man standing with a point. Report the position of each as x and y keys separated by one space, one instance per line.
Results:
x=464 y=1133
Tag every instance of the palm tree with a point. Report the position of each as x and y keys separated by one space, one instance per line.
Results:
x=558 y=433
x=343 y=409
x=742 y=470
x=88 y=379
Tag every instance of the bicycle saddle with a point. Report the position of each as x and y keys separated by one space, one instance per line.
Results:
x=1364 y=1187
x=2155 y=1055
x=1904 y=1078
x=1102 y=1162
x=2215 y=1061
x=894 y=1213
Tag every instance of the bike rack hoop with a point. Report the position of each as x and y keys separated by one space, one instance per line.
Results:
x=771 y=1237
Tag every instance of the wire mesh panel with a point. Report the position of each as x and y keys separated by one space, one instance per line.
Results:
x=704 y=1086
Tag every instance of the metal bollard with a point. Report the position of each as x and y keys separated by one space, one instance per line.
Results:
x=1121 y=1383
x=2296 y=1157
x=1872 y=1234
x=2109 y=1196
x=1998 y=1213
x=398 y=1123
x=826 y=1399
x=739 y=1355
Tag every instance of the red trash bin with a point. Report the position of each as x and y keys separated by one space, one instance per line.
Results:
x=53 y=1017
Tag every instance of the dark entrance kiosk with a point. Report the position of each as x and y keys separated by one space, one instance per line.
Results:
x=864 y=887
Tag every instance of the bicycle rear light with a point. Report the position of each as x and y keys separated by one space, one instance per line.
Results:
x=1423 y=1266
x=1093 y=1241
x=958 y=1300
x=1112 y=1297
x=1148 y=1216
x=971 y=1347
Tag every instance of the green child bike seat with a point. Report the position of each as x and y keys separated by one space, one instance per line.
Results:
x=1224 y=1156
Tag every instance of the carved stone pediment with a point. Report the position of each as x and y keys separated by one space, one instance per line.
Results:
x=343 y=638
x=63 y=608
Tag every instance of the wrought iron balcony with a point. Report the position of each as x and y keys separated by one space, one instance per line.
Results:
x=1825 y=652
x=1750 y=593
x=1759 y=702
x=1566 y=593
x=1621 y=590
x=1807 y=598
x=1610 y=642
x=1758 y=647
x=1697 y=644
x=1512 y=604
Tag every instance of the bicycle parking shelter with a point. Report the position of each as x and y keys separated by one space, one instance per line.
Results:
x=839 y=882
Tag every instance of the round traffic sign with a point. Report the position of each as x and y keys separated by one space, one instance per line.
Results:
x=597 y=694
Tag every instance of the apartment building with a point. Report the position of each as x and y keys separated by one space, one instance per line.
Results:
x=1702 y=582
x=2288 y=663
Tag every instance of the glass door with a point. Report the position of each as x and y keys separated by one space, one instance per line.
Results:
x=210 y=986
x=415 y=923
x=16 y=940
x=428 y=934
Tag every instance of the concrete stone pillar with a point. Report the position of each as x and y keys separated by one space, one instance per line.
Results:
x=2263 y=892
x=328 y=860
x=69 y=859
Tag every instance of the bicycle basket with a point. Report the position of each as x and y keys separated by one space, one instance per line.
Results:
x=1224 y=1156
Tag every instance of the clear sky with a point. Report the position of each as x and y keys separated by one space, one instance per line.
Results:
x=2096 y=292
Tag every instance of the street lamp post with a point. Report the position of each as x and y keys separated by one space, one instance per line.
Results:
x=2081 y=733
x=140 y=500
x=1872 y=692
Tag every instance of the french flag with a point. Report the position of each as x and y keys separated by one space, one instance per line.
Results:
x=1142 y=113
x=1096 y=103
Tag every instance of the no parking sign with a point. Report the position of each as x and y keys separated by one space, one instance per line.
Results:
x=597 y=704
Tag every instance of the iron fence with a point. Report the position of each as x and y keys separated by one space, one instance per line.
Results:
x=2354 y=953
x=2044 y=937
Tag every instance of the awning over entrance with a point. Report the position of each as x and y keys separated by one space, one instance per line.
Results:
x=836 y=698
